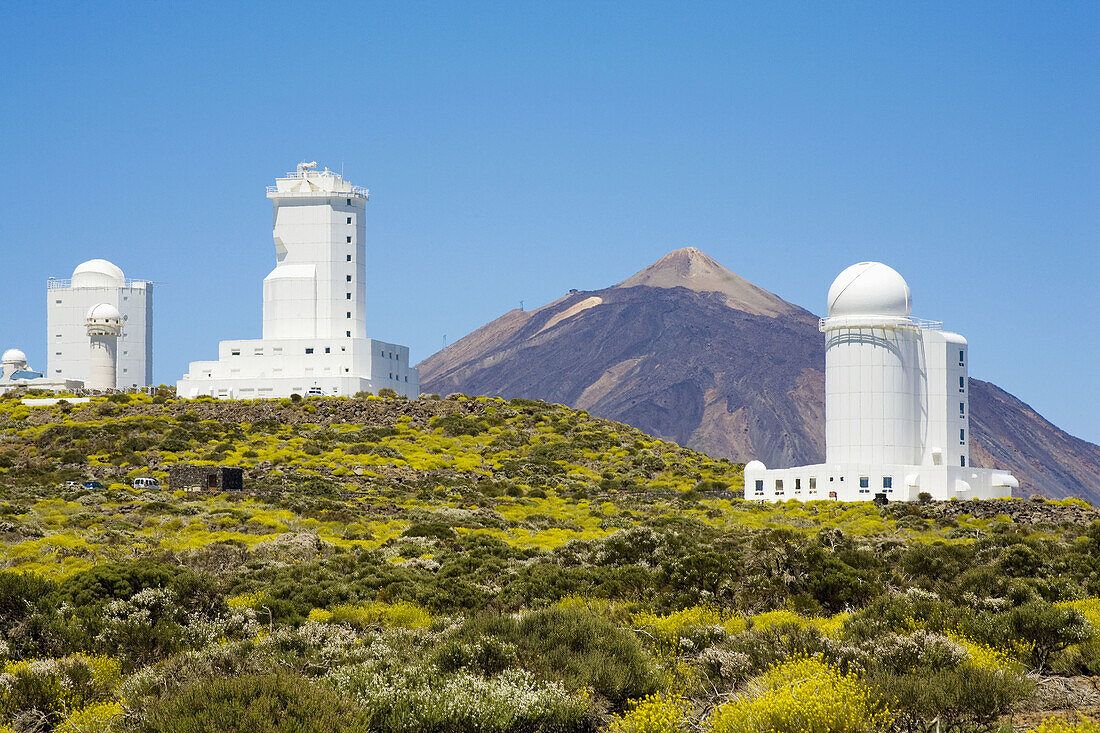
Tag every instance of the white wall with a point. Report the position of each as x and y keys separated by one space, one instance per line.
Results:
x=68 y=352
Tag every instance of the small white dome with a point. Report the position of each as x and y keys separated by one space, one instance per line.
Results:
x=98 y=274
x=755 y=466
x=869 y=289
x=14 y=355
x=102 y=311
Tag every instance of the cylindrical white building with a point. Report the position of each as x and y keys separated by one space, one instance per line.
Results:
x=873 y=369
x=104 y=324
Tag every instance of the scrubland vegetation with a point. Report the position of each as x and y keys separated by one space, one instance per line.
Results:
x=481 y=565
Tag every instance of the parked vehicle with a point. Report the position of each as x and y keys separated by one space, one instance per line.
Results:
x=92 y=485
x=146 y=482
x=315 y=392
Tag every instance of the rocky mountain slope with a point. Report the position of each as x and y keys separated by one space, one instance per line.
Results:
x=687 y=350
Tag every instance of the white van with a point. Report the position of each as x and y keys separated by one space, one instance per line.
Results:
x=145 y=482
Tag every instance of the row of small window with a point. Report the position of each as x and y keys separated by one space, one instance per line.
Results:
x=278 y=350
x=383 y=354
x=864 y=483
x=398 y=377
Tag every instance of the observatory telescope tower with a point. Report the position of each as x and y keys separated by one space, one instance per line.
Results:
x=104 y=324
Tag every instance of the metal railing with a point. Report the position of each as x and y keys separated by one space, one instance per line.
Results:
x=65 y=283
x=920 y=323
x=355 y=191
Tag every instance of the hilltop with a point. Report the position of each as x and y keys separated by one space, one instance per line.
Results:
x=480 y=564
x=688 y=351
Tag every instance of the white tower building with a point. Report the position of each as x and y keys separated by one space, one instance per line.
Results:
x=314 y=314
x=897 y=407
x=67 y=340
x=104 y=326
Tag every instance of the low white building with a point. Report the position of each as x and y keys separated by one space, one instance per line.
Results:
x=314 y=316
x=897 y=407
x=14 y=373
x=67 y=341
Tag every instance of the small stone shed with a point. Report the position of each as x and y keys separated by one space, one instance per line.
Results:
x=205 y=478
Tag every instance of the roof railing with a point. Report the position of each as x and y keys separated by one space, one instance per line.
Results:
x=65 y=283
x=919 y=323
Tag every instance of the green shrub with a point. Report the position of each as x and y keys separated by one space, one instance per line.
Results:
x=268 y=703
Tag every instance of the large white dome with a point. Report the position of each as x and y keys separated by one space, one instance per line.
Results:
x=869 y=289
x=98 y=274
x=101 y=311
x=14 y=355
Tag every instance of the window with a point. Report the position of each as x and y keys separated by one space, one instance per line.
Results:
x=348 y=296
x=348 y=333
x=962 y=383
x=346 y=370
x=235 y=352
x=349 y=202
x=349 y=240
x=961 y=354
x=887 y=482
x=813 y=484
x=58 y=302
x=798 y=485
x=779 y=484
x=349 y=258
x=328 y=350
x=276 y=350
x=864 y=482
x=962 y=409
x=347 y=278
x=349 y=220
x=349 y=314
x=57 y=353
x=962 y=435
x=760 y=486
x=962 y=461
x=309 y=349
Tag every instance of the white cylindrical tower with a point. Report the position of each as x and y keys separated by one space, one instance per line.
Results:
x=104 y=324
x=873 y=369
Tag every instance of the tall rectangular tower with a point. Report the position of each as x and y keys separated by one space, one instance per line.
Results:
x=314 y=327
x=318 y=286
x=67 y=304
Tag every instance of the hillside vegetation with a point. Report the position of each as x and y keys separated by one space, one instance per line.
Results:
x=482 y=565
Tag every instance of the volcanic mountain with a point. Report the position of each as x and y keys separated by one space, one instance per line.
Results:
x=688 y=351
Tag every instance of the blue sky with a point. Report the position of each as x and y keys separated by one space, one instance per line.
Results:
x=516 y=150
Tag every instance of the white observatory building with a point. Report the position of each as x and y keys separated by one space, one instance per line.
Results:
x=68 y=341
x=314 y=314
x=897 y=407
x=14 y=373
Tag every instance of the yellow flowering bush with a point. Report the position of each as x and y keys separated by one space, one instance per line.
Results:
x=375 y=613
x=802 y=695
x=1087 y=607
x=770 y=619
x=689 y=625
x=658 y=713
x=986 y=657
x=246 y=600
x=98 y=718
x=1059 y=725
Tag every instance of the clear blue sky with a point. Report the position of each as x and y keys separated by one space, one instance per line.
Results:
x=516 y=150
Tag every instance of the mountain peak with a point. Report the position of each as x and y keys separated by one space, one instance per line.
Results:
x=694 y=269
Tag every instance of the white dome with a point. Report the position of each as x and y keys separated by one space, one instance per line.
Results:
x=755 y=466
x=98 y=274
x=102 y=311
x=869 y=289
x=14 y=355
